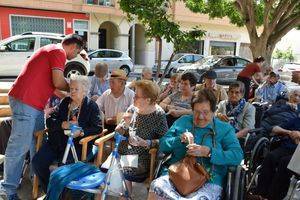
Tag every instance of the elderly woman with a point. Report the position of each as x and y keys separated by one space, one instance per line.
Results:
x=236 y=110
x=170 y=88
x=99 y=82
x=227 y=150
x=179 y=103
x=148 y=121
x=76 y=109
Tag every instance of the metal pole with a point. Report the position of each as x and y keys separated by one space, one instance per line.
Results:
x=133 y=42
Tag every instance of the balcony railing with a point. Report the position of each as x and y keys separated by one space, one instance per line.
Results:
x=109 y=3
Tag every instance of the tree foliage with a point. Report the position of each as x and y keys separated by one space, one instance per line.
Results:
x=158 y=21
x=267 y=21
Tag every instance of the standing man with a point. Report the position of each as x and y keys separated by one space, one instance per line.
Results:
x=41 y=75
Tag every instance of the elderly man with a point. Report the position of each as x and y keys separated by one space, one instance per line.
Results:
x=270 y=90
x=116 y=99
x=210 y=83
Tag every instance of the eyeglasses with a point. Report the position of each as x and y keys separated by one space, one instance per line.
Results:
x=203 y=113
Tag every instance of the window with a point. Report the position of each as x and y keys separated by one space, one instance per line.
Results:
x=197 y=57
x=46 y=41
x=241 y=62
x=21 y=24
x=222 y=48
x=21 y=45
x=227 y=62
x=115 y=54
x=187 y=59
x=81 y=28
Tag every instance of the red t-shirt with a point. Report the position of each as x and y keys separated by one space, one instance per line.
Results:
x=249 y=70
x=34 y=84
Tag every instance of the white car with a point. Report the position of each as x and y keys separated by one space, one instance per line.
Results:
x=16 y=50
x=113 y=58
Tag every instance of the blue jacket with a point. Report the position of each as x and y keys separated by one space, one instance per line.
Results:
x=227 y=151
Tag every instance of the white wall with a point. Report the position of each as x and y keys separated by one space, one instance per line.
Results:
x=292 y=40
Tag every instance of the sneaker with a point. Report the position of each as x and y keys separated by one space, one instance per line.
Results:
x=2 y=190
x=13 y=197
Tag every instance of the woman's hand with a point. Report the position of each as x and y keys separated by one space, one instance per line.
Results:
x=138 y=141
x=198 y=150
x=295 y=135
x=78 y=134
x=65 y=125
x=187 y=137
x=174 y=113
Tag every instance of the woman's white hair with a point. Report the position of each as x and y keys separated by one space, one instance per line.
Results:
x=83 y=80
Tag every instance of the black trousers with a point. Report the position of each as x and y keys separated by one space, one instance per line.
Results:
x=246 y=82
x=274 y=178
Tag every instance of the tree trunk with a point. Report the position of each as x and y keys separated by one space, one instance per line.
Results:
x=158 y=57
x=261 y=47
x=166 y=69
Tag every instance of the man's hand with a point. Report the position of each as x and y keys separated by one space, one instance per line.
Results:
x=95 y=97
x=78 y=134
x=111 y=120
x=198 y=150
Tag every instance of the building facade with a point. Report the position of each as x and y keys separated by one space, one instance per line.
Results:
x=104 y=25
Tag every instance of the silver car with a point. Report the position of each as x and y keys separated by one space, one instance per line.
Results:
x=113 y=58
x=227 y=67
x=180 y=59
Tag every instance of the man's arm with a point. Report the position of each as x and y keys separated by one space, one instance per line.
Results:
x=277 y=130
x=59 y=80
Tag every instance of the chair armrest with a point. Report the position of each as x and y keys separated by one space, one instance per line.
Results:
x=91 y=137
x=84 y=142
x=100 y=143
x=152 y=152
x=39 y=138
x=104 y=138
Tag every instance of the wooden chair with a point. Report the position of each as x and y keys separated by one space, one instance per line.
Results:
x=99 y=160
x=39 y=139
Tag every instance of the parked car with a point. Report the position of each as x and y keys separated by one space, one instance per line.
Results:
x=290 y=71
x=16 y=50
x=226 y=67
x=113 y=58
x=180 y=59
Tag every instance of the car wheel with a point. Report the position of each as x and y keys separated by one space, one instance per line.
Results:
x=75 y=69
x=126 y=69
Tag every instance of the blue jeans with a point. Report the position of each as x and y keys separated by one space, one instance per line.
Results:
x=26 y=120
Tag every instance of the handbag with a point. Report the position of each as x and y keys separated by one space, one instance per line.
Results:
x=187 y=175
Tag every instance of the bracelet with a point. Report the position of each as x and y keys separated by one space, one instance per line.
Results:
x=149 y=142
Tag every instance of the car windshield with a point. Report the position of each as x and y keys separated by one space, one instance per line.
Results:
x=177 y=56
x=210 y=60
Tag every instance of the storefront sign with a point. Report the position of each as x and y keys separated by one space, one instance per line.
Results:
x=223 y=36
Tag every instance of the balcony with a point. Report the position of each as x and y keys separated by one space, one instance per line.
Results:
x=110 y=7
x=108 y=3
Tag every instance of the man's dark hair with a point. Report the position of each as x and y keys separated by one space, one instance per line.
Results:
x=189 y=76
x=259 y=59
x=73 y=39
x=205 y=95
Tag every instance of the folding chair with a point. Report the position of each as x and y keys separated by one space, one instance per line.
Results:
x=84 y=142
